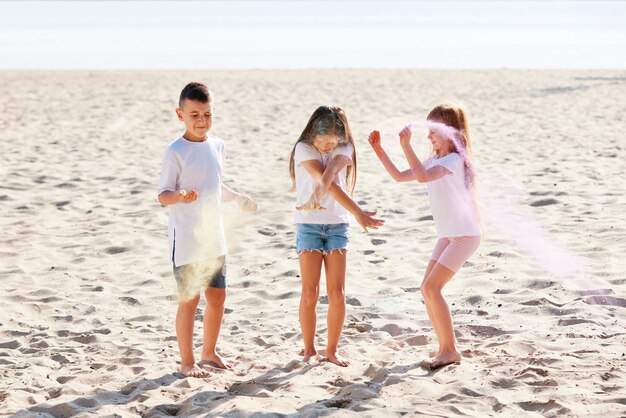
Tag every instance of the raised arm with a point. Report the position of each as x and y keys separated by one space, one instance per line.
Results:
x=397 y=175
x=364 y=218
x=418 y=171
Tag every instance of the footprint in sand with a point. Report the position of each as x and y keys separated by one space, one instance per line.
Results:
x=544 y=202
x=130 y=301
x=116 y=250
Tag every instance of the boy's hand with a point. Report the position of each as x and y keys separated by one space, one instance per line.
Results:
x=187 y=196
x=374 y=140
x=405 y=136
x=364 y=218
x=246 y=203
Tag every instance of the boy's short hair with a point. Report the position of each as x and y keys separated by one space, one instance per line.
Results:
x=195 y=91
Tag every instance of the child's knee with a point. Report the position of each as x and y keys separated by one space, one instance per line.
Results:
x=336 y=296
x=215 y=297
x=310 y=295
x=189 y=303
x=429 y=289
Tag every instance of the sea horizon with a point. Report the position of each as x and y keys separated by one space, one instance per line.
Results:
x=229 y=35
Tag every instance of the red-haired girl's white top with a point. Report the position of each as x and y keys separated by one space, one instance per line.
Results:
x=451 y=202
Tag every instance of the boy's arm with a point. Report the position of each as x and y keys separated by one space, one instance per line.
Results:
x=168 y=197
x=315 y=169
x=245 y=202
x=229 y=194
x=169 y=192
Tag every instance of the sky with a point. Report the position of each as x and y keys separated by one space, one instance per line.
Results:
x=312 y=34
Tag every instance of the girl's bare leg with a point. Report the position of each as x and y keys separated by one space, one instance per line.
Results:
x=429 y=268
x=431 y=289
x=335 y=269
x=310 y=269
x=432 y=318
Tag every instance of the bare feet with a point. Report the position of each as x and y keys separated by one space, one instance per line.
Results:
x=214 y=361
x=309 y=355
x=445 y=358
x=337 y=359
x=193 y=371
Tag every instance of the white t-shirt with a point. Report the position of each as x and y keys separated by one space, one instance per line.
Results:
x=452 y=204
x=305 y=186
x=196 y=229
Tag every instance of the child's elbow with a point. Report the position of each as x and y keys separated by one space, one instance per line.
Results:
x=399 y=178
x=161 y=199
x=341 y=159
x=421 y=178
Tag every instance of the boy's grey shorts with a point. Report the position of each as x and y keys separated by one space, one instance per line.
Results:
x=210 y=273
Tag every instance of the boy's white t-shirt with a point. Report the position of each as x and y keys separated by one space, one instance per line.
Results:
x=195 y=230
x=452 y=204
x=305 y=186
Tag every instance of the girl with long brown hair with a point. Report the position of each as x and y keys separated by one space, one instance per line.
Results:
x=322 y=166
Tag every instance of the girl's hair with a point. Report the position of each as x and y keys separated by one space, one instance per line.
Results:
x=327 y=120
x=455 y=116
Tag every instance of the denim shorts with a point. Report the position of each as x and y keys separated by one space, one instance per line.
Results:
x=194 y=276
x=321 y=237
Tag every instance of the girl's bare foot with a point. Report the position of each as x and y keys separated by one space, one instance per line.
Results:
x=309 y=355
x=214 y=361
x=432 y=354
x=337 y=359
x=193 y=371
x=445 y=358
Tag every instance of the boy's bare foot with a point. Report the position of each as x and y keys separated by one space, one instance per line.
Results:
x=337 y=359
x=214 y=361
x=193 y=371
x=445 y=358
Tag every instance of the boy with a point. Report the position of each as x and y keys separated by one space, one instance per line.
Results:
x=191 y=185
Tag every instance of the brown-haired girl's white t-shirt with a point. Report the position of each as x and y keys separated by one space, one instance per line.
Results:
x=452 y=204
x=305 y=186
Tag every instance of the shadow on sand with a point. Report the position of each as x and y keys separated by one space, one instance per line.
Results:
x=352 y=396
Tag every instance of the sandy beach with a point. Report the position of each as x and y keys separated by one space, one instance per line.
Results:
x=88 y=298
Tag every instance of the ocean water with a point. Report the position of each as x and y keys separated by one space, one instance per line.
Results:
x=312 y=34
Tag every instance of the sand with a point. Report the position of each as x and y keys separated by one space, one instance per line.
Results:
x=88 y=298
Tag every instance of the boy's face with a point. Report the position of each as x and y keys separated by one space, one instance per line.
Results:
x=197 y=117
